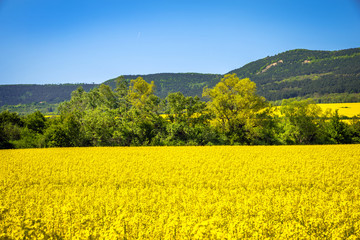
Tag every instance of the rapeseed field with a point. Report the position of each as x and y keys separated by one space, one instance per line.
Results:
x=217 y=192
x=345 y=109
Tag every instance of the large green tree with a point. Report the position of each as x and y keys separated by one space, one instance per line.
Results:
x=141 y=93
x=234 y=103
x=144 y=116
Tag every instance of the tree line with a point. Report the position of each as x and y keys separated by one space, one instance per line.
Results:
x=132 y=115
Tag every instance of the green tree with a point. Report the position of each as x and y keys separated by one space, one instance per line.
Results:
x=10 y=128
x=141 y=93
x=263 y=129
x=77 y=104
x=144 y=116
x=36 y=122
x=31 y=133
x=355 y=129
x=339 y=132
x=65 y=131
x=121 y=91
x=91 y=100
x=99 y=125
x=233 y=102
x=108 y=97
x=122 y=86
x=56 y=136
x=300 y=121
x=185 y=109
x=188 y=121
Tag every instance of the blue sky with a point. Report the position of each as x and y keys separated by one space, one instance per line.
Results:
x=73 y=41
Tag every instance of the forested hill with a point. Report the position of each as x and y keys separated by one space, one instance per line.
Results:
x=305 y=73
x=296 y=73
x=30 y=93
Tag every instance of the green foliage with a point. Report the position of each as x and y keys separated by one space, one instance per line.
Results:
x=190 y=110
x=301 y=121
x=28 y=139
x=56 y=136
x=10 y=117
x=132 y=115
x=264 y=128
x=354 y=129
x=141 y=93
x=339 y=132
x=35 y=122
x=234 y=102
x=121 y=92
x=21 y=132
x=10 y=128
x=98 y=126
x=188 y=121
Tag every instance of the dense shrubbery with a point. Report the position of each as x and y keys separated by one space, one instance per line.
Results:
x=131 y=115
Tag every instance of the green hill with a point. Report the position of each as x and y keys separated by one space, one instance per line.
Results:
x=323 y=75
x=33 y=93
x=305 y=73
x=328 y=76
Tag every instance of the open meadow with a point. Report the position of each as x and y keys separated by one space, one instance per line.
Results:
x=217 y=192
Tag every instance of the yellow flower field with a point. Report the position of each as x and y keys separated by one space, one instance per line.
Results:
x=345 y=109
x=221 y=192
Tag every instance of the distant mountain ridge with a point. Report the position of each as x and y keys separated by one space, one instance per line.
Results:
x=295 y=73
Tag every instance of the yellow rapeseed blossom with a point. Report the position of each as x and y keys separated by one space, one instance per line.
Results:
x=345 y=109
x=218 y=192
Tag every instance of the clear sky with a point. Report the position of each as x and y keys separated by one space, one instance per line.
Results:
x=78 y=41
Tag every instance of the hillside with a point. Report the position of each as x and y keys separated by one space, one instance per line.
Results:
x=328 y=76
x=33 y=93
x=305 y=73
